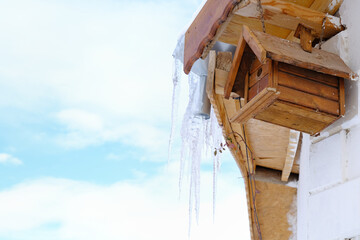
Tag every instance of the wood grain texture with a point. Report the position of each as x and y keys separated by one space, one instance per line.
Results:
x=289 y=15
x=254 y=44
x=308 y=100
x=309 y=74
x=217 y=22
x=203 y=29
x=256 y=105
x=296 y=117
x=258 y=87
x=325 y=6
x=274 y=203
x=305 y=36
x=211 y=74
x=308 y=86
x=232 y=31
x=286 y=51
x=258 y=72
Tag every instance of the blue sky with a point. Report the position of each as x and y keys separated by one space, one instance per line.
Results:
x=85 y=105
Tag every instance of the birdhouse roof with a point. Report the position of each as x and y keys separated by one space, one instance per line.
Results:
x=268 y=46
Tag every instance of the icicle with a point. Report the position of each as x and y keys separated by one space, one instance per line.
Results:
x=199 y=134
x=199 y=138
x=217 y=138
x=177 y=69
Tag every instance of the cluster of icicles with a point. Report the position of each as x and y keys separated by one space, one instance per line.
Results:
x=200 y=136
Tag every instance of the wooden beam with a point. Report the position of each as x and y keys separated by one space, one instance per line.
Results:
x=232 y=31
x=211 y=74
x=234 y=67
x=325 y=6
x=254 y=44
x=289 y=15
x=305 y=36
x=294 y=137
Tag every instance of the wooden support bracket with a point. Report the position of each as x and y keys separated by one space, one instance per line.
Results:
x=294 y=137
x=306 y=37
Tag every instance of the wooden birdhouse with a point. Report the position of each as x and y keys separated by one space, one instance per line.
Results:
x=285 y=85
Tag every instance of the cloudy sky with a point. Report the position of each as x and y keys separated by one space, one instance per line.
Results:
x=85 y=106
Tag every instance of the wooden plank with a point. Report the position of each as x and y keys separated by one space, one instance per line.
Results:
x=254 y=44
x=316 y=76
x=211 y=73
x=255 y=66
x=261 y=135
x=294 y=109
x=290 y=52
x=290 y=154
x=220 y=81
x=325 y=6
x=289 y=15
x=256 y=105
x=234 y=67
x=258 y=87
x=342 y=97
x=301 y=119
x=308 y=100
x=308 y=86
x=233 y=30
x=275 y=203
x=204 y=27
x=259 y=72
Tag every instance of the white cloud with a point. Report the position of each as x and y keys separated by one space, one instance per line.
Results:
x=9 y=159
x=105 y=69
x=145 y=209
x=83 y=128
x=90 y=58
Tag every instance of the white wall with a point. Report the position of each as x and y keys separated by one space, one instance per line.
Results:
x=329 y=183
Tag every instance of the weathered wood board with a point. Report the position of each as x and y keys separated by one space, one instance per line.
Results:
x=223 y=20
x=276 y=204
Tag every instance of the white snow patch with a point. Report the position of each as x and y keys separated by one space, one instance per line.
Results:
x=335 y=21
x=292 y=184
x=332 y=5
